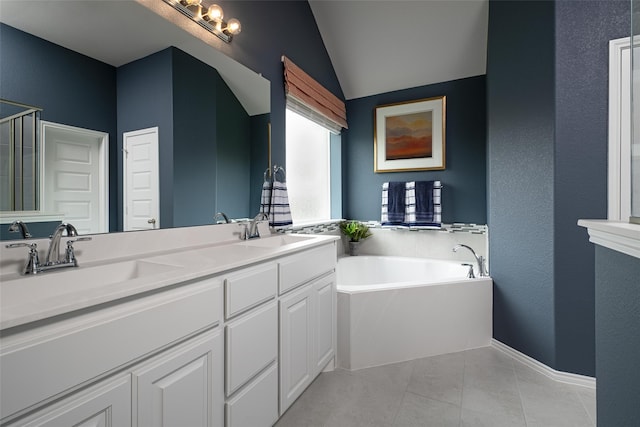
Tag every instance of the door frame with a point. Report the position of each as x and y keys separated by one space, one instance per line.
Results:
x=103 y=163
x=619 y=142
x=125 y=135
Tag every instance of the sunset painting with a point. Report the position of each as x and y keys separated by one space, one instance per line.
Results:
x=409 y=136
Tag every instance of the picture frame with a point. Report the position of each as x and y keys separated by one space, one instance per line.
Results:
x=410 y=136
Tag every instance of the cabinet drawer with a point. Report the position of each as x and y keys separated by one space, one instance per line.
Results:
x=300 y=268
x=251 y=345
x=257 y=404
x=249 y=287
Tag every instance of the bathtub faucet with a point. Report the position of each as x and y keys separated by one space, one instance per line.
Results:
x=480 y=259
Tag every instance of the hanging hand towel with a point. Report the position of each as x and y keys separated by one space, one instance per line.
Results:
x=280 y=211
x=265 y=198
x=428 y=210
x=393 y=203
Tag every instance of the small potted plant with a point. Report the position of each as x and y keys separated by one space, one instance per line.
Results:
x=355 y=231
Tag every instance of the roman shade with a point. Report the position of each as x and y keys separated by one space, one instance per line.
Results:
x=310 y=99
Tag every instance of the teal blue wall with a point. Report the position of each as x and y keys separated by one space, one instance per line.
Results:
x=145 y=100
x=71 y=89
x=617 y=338
x=547 y=92
x=520 y=147
x=204 y=135
x=464 y=192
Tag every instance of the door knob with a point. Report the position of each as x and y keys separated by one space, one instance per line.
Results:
x=152 y=221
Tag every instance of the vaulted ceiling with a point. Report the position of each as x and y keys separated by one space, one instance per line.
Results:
x=378 y=46
x=375 y=46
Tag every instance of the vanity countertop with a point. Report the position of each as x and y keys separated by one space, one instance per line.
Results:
x=32 y=298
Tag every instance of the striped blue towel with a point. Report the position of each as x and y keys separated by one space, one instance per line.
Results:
x=274 y=203
x=424 y=203
x=393 y=203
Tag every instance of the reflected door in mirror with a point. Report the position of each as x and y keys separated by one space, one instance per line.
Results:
x=141 y=180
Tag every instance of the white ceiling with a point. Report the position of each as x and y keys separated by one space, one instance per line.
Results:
x=87 y=27
x=379 y=46
x=375 y=46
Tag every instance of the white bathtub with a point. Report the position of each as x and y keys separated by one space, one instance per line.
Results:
x=392 y=309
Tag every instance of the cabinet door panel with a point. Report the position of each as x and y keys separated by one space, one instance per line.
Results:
x=107 y=404
x=182 y=386
x=296 y=318
x=252 y=345
x=325 y=321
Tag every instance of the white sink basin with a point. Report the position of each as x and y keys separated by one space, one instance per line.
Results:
x=276 y=241
x=72 y=279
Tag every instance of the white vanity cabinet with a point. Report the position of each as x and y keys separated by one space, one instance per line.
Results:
x=307 y=319
x=81 y=369
x=251 y=346
x=219 y=346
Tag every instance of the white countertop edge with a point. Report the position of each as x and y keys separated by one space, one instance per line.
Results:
x=618 y=236
x=31 y=311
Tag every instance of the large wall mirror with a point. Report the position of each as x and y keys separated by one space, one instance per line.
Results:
x=130 y=73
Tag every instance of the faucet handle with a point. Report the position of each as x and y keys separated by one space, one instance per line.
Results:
x=31 y=246
x=79 y=239
x=70 y=256
x=244 y=233
x=470 y=274
x=33 y=263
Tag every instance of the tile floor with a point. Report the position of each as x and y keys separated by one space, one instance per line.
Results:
x=481 y=387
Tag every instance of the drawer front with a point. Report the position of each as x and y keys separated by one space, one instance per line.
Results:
x=69 y=352
x=257 y=404
x=251 y=345
x=300 y=268
x=249 y=288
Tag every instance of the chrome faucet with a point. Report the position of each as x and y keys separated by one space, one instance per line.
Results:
x=54 y=260
x=224 y=217
x=53 y=254
x=479 y=258
x=253 y=232
x=19 y=226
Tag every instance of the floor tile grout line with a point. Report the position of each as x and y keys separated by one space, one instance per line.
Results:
x=584 y=406
x=524 y=412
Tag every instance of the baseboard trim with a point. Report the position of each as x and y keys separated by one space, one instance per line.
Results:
x=563 y=377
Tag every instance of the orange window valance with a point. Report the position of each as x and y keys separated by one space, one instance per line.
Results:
x=312 y=100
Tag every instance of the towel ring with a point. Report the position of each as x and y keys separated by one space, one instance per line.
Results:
x=276 y=169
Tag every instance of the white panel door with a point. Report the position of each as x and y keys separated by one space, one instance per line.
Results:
x=141 y=180
x=75 y=175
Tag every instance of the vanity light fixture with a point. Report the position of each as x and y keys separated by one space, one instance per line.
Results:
x=210 y=18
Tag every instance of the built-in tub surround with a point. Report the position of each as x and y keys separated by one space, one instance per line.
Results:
x=393 y=309
x=432 y=244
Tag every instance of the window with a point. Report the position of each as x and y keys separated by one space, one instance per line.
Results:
x=308 y=163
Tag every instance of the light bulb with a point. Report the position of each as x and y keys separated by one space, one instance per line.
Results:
x=233 y=26
x=214 y=13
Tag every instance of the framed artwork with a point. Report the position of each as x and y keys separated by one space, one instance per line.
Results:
x=410 y=136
